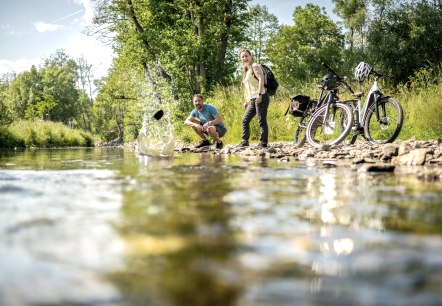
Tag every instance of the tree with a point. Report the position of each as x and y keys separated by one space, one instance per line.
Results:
x=25 y=91
x=298 y=50
x=59 y=78
x=406 y=38
x=260 y=29
x=354 y=14
x=183 y=46
x=117 y=108
x=5 y=113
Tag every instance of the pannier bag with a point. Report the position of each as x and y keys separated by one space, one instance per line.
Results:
x=298 y=104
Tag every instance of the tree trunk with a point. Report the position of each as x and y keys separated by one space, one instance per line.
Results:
x=224 y=40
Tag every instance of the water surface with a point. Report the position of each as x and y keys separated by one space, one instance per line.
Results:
x=106 y=227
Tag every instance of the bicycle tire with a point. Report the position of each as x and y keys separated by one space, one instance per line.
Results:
x=300 y=138
x=335 y=128
x=390 y=125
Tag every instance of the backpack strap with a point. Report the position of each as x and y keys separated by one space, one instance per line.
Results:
x=253 y=73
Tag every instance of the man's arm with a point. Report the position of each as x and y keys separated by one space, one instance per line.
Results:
x=191 y=121
x=218 y=119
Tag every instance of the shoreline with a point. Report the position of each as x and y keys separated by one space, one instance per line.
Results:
x=426 y=154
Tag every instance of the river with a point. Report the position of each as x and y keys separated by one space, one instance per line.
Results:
x=104 y=226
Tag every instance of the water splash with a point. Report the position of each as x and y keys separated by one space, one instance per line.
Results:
x=156 y=135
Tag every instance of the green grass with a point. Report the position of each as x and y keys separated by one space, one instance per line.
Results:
x=43 y=134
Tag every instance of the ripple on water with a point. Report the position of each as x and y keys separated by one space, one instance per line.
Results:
x=55 y=236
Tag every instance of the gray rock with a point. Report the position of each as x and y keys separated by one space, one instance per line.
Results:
x=414 y=158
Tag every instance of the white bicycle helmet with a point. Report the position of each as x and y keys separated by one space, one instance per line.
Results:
x=362 y=71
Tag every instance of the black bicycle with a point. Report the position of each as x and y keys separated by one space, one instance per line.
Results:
x=330 y=120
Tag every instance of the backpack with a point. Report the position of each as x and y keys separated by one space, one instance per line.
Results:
x=297 y=106
x=270 y=82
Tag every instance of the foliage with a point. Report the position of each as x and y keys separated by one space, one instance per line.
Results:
x=261 y=27
x=49 y=92
x=421 y=98
x=43 y=134
x=297 y=50
x=406 y=38
x=118 y=107
x=188 y=44
x=354 y=15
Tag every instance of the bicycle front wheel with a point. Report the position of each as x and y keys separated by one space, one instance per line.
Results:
x=389 y=125
x=332 y=129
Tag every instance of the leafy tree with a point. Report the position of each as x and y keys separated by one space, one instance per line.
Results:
x=183 y=46
x=117 y=108
x=298 y=50
x=59 y=78
x=406 y=38
x=85 y=102
x=261 y=27
x=5 y=113
x=354 y=15
x=26 y=90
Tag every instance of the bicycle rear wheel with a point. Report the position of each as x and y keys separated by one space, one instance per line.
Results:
x=333 y=129
x=389 y=125
x=301 y=130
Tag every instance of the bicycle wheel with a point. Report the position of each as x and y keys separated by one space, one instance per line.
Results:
x=333 y=129
x=301 y=130
x=389 y=125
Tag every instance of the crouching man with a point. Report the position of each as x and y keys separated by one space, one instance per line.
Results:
x=206 y=120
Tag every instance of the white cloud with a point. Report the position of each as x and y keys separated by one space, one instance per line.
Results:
x=6 y=28
x=42 y=26
x=88 y=11
x=18 y=66
x=97 y=55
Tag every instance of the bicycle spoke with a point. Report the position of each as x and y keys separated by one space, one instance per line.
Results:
x=388 y=127
x=333 y=129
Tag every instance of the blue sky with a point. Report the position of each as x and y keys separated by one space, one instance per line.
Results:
x=31 y=30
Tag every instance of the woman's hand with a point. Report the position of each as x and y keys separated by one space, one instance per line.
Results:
x=245 y=104
x=258 y=99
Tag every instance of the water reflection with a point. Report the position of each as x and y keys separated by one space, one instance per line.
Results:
x=176 y=228
x=113 y=228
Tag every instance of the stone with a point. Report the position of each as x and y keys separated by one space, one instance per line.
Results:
x=415 y=157
x=390 y=150
x=404 y=148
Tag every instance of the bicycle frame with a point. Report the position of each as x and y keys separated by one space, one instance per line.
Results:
x=374 y=95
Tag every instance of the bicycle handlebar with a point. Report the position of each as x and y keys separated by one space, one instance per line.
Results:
x=331 y=70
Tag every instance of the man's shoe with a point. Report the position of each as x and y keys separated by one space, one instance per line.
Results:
x=262 y=145
x=219 y=145
x=203 y=143
x=243 y=143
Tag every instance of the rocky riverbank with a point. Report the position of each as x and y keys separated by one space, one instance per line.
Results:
x=425 y=154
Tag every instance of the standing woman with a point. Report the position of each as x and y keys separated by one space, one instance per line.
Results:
x=253 y=80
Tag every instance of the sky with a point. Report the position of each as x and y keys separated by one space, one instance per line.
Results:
x=32 y=30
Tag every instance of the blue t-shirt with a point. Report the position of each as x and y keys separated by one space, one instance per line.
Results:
x=208 y=114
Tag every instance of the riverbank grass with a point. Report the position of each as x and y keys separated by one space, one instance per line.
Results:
x=43 y=134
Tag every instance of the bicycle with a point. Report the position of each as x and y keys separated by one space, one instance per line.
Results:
x=379 y=119
x=331 y=120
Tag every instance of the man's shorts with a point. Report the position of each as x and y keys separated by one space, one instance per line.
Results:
x=220 y=130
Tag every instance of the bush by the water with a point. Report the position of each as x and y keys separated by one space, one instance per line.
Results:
x=43 y=134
